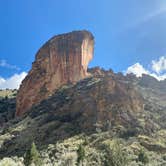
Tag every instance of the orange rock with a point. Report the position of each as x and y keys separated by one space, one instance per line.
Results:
x=63 y=59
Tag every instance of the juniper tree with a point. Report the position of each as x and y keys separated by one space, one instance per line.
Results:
x=80 y=154
x=32 y=156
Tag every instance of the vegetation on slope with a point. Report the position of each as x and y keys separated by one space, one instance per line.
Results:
x=66 y=134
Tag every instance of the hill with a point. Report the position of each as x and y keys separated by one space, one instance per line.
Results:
x=96 y=113
x=66 y=114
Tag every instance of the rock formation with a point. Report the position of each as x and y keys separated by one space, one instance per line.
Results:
x=63 y=59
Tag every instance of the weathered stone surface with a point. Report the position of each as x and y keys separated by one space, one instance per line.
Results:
x=63 y=59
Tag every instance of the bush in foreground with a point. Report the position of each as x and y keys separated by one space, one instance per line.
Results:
x=32 y=156
x=115 y=156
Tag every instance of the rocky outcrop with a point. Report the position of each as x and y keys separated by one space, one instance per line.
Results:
x=102 y=102
x=63 y=59
x=103 y=99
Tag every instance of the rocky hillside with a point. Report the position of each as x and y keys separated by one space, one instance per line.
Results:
x=102 y=119
x=97 y=111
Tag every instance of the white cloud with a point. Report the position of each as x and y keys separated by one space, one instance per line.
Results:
x=155 y=13
x=3 y=63
x=157 y=68
x=160 y=65
x=2 y=80
x=13 y=82
x=158 y=77
x=137 y=69
x=147 y=17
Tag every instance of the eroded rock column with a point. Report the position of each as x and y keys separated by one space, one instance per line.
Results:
x=63 y=59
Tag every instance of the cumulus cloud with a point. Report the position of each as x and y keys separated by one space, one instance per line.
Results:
x=159 y=66
x=2 y=80
x=157 y=69
x=13 y=82
x=4 y=63
x=137 y=69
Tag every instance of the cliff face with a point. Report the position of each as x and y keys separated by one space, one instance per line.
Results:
x=63 y=59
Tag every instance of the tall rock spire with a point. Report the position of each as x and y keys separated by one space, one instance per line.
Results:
x=63 y=59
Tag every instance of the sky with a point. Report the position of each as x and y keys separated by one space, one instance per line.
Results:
x=130 y=35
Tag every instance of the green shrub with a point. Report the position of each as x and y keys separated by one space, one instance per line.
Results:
x=32 y=156
x=142 y=157
x=80 y=154
x=114 y=156
x=127 y=133
x=164 y=157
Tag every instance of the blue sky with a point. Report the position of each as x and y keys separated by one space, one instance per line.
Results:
x=127 y=32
